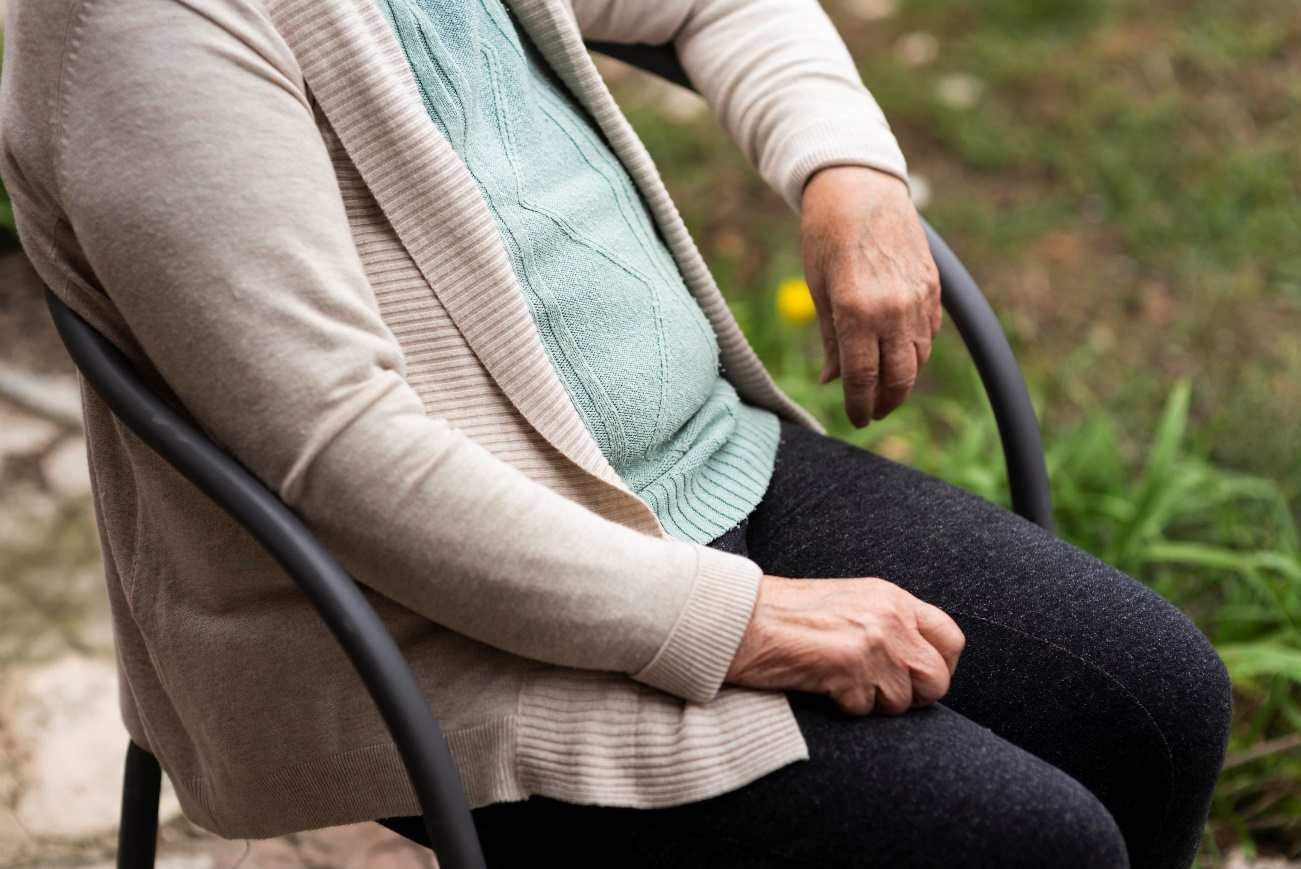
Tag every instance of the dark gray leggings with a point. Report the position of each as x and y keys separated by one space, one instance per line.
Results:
x=1085 y=726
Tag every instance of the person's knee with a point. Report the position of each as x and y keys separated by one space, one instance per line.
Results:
x=1195 y=697
x=1212 y=688
x=1059 y=823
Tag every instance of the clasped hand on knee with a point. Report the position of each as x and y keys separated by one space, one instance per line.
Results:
x=866 y=643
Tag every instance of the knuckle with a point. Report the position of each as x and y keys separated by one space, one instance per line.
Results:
x=958 y=643
x=852 y=313
x=899 y=382
x=844 y=662
x=861 y=375
x=902 y=604
x=854 y=698
x=871 y=641
x=930 y=274
x=932 y=680
x=895 y=704
x=929 y=694
x=854 y=704
x=899 y=306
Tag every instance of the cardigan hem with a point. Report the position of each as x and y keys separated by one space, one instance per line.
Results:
x=564 y=744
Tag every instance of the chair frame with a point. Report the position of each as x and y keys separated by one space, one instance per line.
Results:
x=341 y=604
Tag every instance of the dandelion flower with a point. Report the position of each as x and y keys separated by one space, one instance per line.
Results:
x=794 y=301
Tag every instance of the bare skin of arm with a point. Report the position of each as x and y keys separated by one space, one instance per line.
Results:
x=874 y=284
x=865 y=642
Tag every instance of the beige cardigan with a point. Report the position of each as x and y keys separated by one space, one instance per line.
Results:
x=249 y=199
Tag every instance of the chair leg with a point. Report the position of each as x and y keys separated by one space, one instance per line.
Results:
x=137 y=837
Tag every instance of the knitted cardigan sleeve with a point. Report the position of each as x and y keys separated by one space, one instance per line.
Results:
x=216 y=227
x=775 y=72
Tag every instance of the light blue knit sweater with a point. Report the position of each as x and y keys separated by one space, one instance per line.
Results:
x=629 y=342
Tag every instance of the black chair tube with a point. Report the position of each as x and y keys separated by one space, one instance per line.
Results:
x=137 y=837
x=1023 y=450
x=331 y=591
x=967 y=308
x=660 y=60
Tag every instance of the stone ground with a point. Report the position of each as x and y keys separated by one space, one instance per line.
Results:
x=62 y=742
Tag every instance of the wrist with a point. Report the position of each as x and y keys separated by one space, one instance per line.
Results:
x=832 y=185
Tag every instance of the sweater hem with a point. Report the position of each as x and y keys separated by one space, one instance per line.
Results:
x=568 y=743
x=703 y=505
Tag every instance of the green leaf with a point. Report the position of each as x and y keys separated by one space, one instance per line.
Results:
x=1262 y=658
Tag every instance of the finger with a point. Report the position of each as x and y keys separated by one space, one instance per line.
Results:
x=817 y=284
x=923 y=347
x=942 y=632
x=897 y=376
x=860 y=367
x=856 y=699
x=894 y=691
x=830 y=349
x=930 y=676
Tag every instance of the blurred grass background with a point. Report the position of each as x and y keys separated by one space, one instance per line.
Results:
x=1122 y=177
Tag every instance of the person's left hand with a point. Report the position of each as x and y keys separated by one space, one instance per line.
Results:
x=874 y=284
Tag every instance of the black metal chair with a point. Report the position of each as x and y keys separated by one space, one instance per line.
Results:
x=345 y=610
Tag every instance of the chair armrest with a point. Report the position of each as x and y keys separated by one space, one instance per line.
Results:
x=1023 y=449
x=331 y=591
x=970 y=312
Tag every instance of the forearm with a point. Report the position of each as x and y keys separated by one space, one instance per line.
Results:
x=777 y=74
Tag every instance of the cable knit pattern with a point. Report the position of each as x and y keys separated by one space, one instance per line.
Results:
x=632 y=347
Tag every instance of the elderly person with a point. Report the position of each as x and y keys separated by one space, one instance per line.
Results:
x=406 y=260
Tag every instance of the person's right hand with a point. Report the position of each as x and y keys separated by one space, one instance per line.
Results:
x=866 y=643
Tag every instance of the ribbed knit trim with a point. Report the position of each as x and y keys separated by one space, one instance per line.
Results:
x=695 y=657
x=575 y=744
x=700 y=504
x=849 y=141
x=571 y=741
x=354 y=786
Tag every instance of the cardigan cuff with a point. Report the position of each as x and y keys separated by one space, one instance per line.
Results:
x=853 y=141
x=699 y=650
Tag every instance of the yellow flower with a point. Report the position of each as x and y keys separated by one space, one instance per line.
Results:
x=794 y=301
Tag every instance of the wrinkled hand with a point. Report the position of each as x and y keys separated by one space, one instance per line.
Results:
x=874 y=284
x=865 y=642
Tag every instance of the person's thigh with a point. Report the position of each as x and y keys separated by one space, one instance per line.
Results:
x=1066 y=657
x=929 y=789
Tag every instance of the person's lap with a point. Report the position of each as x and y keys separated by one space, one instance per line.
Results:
x=930 y=788
x=1066 y=657
x=1079 y=688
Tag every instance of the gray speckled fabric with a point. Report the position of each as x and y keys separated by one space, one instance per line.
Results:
x=1085 y=726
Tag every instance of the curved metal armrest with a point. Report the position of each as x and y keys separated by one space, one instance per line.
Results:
x=331 y=591
x=1023 y=449
x=966 y=306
